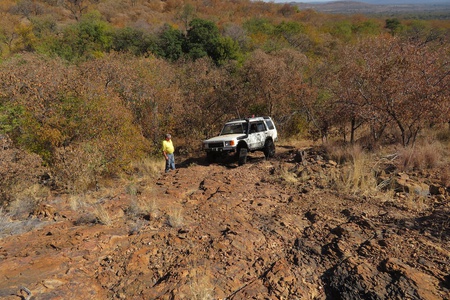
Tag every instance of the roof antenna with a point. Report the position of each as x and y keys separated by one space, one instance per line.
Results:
x=237 y=110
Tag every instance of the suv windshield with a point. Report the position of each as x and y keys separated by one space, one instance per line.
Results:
x=234 y=128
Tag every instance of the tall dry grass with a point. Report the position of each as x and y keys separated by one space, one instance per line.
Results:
x=145 y=172
x=422 y=155
x=175 y=217
x=355 y=174
x=201 y=289
x=149 y=167
x=443 y=135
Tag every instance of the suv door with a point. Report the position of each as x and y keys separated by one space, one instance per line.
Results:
x=252 y=138
x=261 y=134
x=257 y=135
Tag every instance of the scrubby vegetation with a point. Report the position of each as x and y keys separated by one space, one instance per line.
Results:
x=91 y=86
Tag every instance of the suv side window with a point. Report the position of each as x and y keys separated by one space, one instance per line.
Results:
x=270 y=124
x=260 y=127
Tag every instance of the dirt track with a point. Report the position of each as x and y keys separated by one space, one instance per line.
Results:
x=267 y=230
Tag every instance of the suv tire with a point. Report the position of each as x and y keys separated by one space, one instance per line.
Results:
x=242 y=155
x=211 y=157
x=269 y=148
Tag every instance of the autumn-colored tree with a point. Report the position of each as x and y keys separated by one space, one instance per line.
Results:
x=203 y=85
x=28 y=8
x=186 y=13
x=259 y=32
x=290 y=34
x=341 y=106
x=274 y=84
x=146 y=86
x=8 y=32
x=51 y=107
x=288 y=10
x=43 y=27
x=395 y=82
x=76 y=7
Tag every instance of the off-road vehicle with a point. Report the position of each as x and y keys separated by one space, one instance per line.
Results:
x=240 y=136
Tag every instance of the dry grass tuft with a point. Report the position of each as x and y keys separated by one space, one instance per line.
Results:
x=443 y=135
x=288 y=176
x=202 y=289
x=132 y=189
x=415 y=202
x=102 y=215
x=175 y=218
x=421 y=156
x=152 y=209
x=133 y=210
x=149 y=167
x=297 y=143
x=76 y=202
x=340 y=153
x=356 y=176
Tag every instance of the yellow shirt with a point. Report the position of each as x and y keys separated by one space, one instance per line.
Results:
x=167 y=147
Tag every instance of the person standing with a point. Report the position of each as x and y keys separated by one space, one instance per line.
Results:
x=168 y=149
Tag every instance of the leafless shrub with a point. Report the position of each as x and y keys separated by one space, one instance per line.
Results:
x=136 y=226
x=77 y=167
x=4 y=219
x=27 y=200
x=19 y=170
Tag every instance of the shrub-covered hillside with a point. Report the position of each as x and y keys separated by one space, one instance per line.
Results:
x=90 y=86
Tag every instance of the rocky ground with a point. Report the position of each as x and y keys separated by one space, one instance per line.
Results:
x=271 y=229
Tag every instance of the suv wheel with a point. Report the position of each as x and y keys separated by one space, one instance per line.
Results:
x=211 y=157
x=242 y=155
x=269 y=149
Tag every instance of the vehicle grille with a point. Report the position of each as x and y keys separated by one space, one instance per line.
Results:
x=215 y=145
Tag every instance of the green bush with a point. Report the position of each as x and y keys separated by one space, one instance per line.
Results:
x=131 y=40
x=88 y=38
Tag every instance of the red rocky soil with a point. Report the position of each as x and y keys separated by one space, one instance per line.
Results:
x=271 y=229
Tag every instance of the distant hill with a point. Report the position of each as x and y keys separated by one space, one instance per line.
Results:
x=391 y=2
x=435 y=9
x=375 y=2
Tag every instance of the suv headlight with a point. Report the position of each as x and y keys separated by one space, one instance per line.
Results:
x=229 y=143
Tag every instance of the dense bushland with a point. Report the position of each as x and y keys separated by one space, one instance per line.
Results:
x=91 y=86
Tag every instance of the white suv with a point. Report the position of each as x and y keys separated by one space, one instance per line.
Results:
x=242 y=136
